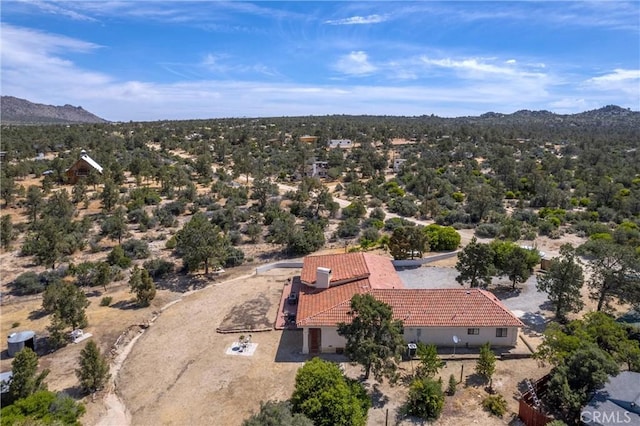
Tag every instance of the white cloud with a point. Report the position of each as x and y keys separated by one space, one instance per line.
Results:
x=617 y=75
x=479 y=68
x=35 y=66
x=355 y=63
x=618 y=83
x=358 y=20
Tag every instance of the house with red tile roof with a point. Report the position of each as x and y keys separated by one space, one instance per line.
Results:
x=429 y=315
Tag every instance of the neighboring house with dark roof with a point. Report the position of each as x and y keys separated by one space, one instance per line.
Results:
x=429 y=315
x=617 y=403
x=340 y=143
x=82 y=167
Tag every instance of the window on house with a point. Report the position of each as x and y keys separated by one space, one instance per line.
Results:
x=501 y=332
x=473 y=331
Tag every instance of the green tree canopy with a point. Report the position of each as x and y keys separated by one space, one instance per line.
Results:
x=327 y=397
x=442 y=238
x=93 y=372
x=486 y=364
x=574 y=380
x=277 y=413
x=67 y=302
x=43 y=408
x=562 y=282
x=475 y=264
x=426 y=398
x=615 y=272
x=374 y=338
x=143 y=286
x=25 y=379
x=200 y=242
x=430 y=362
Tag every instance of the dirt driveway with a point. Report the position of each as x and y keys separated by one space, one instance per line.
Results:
x=178 y=372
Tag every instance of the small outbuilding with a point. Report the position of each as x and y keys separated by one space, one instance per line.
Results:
x=82 y=167
x=20 y=340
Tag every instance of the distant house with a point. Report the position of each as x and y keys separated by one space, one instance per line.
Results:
x=429 y=315
x=340 y=143
x=318 y=169
x=618 y=402
x=82 y=167
x=397 y=164
x=308 y=139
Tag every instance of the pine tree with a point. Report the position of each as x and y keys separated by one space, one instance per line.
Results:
x=24 y=380
x=486 y=364
x=143 y=286
x=94 y=369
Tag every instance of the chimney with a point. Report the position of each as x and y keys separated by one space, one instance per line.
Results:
x=323 y=277
x=83 y=153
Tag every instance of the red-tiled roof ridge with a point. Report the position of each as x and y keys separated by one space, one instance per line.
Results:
x=382 y=272
x=344 y=267
x=333 y=302
x=497 y=302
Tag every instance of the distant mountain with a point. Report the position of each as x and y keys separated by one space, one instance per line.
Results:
x=20 y=111
x=608 y=116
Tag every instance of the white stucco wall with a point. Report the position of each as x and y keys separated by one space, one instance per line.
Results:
x=443 y=336
x=440 y=336
x=330 y=340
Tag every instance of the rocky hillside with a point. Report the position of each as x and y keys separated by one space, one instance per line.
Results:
x=20 y=111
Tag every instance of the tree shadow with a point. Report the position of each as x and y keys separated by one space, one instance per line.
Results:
x=547 y=306
x=125 y=305
x=182 y=283
x=74 y=392
x=535 y=321
x=475 y=380
x=378 y=399
x=37 y=314
x=503 y=292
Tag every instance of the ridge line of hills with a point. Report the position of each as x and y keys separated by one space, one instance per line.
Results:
x=16 y=111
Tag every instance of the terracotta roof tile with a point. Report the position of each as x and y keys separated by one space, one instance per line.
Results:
x=447 y=308
x=382 y=272
x=317 y=307
x=344 y=267
x=354 y=273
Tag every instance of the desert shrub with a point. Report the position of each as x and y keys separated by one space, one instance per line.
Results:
x=158 y=267
x=106 y=301
x=136 y=249
x=171 y=243
x=348 y=228
x=118 y=257
x=524 y=215
x=164 y=217
x=32 y=283
x=234 y=257
x=426 y=399
x=396 y=222
x=442 y=238
x=27 y=283
x=235 y=237
x=488 y=230
x=495 y=404
x=453 y=383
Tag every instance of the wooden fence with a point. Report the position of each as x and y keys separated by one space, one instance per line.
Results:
x=530 y=412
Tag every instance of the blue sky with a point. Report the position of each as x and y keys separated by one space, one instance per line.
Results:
x=152 y=60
